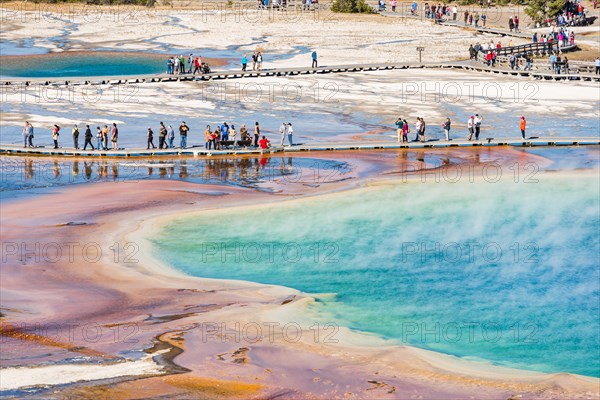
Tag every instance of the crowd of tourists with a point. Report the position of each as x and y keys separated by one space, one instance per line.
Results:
x=179 y=65
x=224 y=136
x=473 y=128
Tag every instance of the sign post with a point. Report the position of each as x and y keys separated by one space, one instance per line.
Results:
x=420 y=50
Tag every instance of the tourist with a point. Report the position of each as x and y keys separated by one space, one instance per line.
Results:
x=224 y=131
x=244 y=133
x=471 y=52
x=105 y=137
x=75 y=133
x=446 y=127
x=191 y=63
x=162 y=135
x=183 y=131
x=290 y=133
x=216 y=137
x=478 y=119
x=516 y=22
x=405 y=131
x=314 y=59
x=87 y=136
x=55 y=135
x=282 y=132
x=208 y=138
x=553 y=62
x=454 y=12
x=98 y=138
x=597 y=64
x=114 y=137
x=422 y=132
x=527 y=61
x=150 y=139
x=259 y=61
x=417 y=129
x=25 y=134
x=566 y=65
x=233 y=135
x=170 y=66
x=399 y=125
x=394 y=3
x=256 y=133
x=511 y=24
x=264 y=143
x=535 y=37
x=523 y=126
x=471 y=127
x=483 y=19
x=466 y=17
x=476 y=19
x=171 y=137
x=253 y=61
x=197 y=66
x=244 y=62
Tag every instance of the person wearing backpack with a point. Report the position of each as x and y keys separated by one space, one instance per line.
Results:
x=162 y=135
x=76 y=137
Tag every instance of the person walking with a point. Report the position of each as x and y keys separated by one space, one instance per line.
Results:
x=114 y=137
x=162 y=135
x=523 y=126
x=183 y=132
x=314 y=59
x=55 y=135
x=98 y=138
x=477 y=120
x=254 y=61
x=422 y=133
x=171 y=137
x=516 y=22
x=256 y=133
x=244 y=62
x=150 y=139
x=290 y=133
x=30 y=134
x=87 y=136
x=454 y=13
x=597 y=63
x=471 y=127
x=282 y=132
x=446 y=127
x=75 y=137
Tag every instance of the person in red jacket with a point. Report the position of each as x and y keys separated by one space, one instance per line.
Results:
x=264 y=143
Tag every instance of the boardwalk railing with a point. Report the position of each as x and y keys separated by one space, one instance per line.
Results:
x=536 y=49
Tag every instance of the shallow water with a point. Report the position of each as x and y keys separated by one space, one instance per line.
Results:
x=83 y=64
x=505 y=272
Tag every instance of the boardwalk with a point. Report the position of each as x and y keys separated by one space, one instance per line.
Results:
x=285 y=72
x=197 y=151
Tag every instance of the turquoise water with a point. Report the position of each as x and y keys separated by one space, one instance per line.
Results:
x=397 y=259
x=82 y=64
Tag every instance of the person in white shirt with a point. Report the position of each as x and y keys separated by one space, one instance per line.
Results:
x=290 y=132
x=597 y=65
x=470 y=126
x=477 y=121
x=282 y=131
